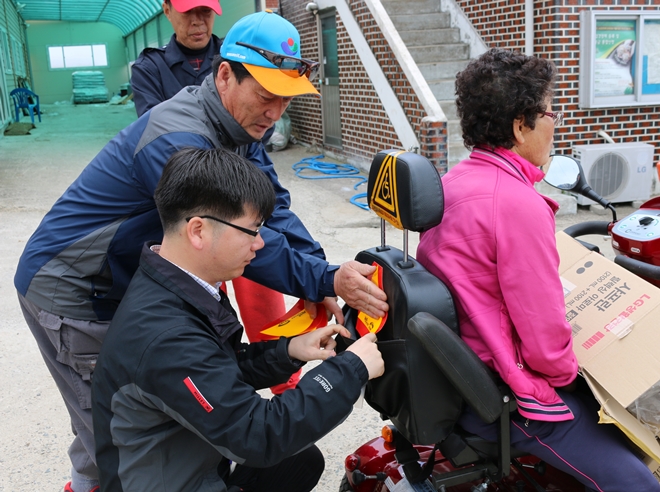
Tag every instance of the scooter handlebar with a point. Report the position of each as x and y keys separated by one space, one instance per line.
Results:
x=637 y=267
x=599 y=227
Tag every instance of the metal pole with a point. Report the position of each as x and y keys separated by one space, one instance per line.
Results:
x=529 y=27
x=405 y=245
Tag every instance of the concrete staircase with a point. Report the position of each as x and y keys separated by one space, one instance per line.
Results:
x=436 y=48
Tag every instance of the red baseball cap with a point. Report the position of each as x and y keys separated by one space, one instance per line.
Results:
x=186 y=5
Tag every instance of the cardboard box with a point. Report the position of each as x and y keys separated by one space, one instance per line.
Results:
x=615 y=317
x=653 y=466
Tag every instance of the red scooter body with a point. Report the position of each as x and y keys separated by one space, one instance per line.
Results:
x=637 y=236
x=378 y=456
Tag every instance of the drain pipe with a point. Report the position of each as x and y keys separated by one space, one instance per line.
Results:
x=606 y=137
x=529 y=27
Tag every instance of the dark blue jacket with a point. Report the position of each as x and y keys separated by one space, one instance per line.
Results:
x=82 y=256
x=159 y=73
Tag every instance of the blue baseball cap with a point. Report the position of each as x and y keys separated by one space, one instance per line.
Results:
x=257 y=40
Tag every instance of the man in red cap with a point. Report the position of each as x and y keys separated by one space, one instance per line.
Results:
x=157 y=75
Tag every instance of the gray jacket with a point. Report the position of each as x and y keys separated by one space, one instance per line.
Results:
x=82 y=256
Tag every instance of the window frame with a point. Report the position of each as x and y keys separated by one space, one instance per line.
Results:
x=643 y=93
x=77 y=67
x=18 y=62
x=4 y=45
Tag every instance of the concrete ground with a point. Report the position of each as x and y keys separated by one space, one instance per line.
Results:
x=34 y=170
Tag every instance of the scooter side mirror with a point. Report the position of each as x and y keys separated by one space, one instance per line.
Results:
x=566 y=174
x=563 y=173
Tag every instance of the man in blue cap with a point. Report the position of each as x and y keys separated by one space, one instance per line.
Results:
x=157 y=75
x=77 y=265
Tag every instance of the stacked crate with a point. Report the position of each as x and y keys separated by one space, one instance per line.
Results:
x=89 y=87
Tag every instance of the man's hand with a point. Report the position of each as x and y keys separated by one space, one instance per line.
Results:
x=367 y=350
x=317 y=344
x=331 y=309
x=352 y=285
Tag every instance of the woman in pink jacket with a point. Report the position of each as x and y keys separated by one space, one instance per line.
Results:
x=495 y=249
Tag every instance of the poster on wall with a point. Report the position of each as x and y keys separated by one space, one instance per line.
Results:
x=651 y=58
x=619 y=58
x=614 y=58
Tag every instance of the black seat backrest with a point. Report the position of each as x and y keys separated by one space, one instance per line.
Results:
x=405 y=190
x=468 y=374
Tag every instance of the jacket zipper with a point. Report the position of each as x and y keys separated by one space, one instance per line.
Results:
x=519 y=363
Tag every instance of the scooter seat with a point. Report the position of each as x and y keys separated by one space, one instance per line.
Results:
x=463 y=449
x=413 y=393
x=405 y=190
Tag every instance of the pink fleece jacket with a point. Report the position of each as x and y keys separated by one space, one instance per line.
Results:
x=496 y=251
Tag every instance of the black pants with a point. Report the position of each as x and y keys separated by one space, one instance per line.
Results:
x=298 y=473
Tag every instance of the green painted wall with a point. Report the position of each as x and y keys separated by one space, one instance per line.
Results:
x=231 y=12
x=11 y=30
x=57 y=85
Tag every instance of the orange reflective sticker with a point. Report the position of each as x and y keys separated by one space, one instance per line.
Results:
x=295 y=322
x=365 y=323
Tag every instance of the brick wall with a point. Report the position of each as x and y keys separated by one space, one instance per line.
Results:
x=557 y=29
x=501 y=23
x=305 y=111
x=366 y=128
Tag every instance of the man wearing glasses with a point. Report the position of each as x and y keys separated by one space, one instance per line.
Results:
x=175 y=389
x=76 y=266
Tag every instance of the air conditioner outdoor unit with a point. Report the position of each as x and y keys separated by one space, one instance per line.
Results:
x=619 y=172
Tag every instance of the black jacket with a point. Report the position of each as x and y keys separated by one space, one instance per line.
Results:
x=159 y=73
x=174 y=390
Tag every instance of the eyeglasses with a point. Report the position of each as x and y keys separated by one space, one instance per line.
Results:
x=309 y=68
x=250 y=232
x=557 y=118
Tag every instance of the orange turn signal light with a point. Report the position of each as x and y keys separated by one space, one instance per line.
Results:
x=387 y=434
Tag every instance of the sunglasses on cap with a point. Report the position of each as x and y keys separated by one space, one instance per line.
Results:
x=302 y=66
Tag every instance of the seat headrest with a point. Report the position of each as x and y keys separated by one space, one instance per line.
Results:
x=405 y=189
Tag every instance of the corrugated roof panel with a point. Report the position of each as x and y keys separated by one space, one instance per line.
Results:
x=125 y=14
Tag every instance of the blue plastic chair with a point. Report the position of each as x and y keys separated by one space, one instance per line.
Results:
x=21 y=99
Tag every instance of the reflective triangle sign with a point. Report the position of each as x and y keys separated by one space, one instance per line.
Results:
x=384 y=197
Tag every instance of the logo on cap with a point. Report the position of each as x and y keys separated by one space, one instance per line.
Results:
x=290 y=51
